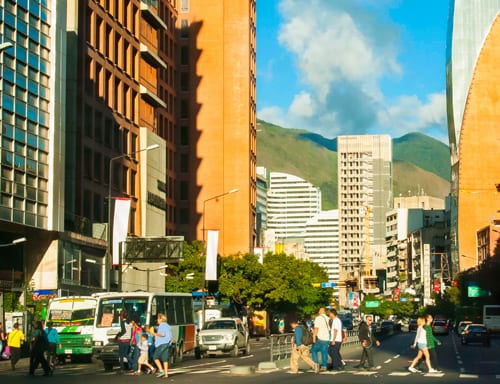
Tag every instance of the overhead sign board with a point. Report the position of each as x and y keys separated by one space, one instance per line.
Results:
x=372 y=304
x=328 y=285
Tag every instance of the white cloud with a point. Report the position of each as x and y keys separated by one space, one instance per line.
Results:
x=302 y=105
x=273 y=115
x=343 y=51
x=411 y=114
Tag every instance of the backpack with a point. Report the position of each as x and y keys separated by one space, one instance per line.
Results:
x=307 y=337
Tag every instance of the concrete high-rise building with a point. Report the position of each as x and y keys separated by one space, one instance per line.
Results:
x=291 y=202
x=321 y=242
x=364 y=196
x=217 y=121
x=472 y=87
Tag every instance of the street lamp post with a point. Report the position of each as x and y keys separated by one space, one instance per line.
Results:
x=148 y=271
x=109 y=245
x=14 y=242
x=203 y=278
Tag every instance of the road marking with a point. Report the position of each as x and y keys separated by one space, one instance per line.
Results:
x=396 y=357
x=468 y=376
x=387 y=361
x=399 y=374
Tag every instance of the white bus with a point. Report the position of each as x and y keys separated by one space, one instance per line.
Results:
x=73 y=317
x=146 y=306
x=491 y=317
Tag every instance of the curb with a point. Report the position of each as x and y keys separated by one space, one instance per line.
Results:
x=242 y=370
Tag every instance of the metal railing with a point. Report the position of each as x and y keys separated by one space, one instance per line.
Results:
x=281 y=345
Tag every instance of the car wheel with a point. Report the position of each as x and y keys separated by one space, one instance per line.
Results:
x=108 y=367
x=247 y=348
x=236 y=350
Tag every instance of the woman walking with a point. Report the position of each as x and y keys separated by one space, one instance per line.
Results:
x=421 y=343
x=14 y=340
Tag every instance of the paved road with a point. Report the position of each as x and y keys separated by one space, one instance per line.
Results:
x=460 y=364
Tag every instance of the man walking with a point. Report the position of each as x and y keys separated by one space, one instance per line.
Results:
x=163 y=338
x=300 y=350
x=335 y=341
x=54 y=342
x=321 y=338
x=367 y=339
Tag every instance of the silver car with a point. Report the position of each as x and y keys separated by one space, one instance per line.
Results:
x=224 y=335
x=440 y=327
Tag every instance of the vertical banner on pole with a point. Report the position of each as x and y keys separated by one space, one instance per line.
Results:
x=211 y=262
x=120 y=226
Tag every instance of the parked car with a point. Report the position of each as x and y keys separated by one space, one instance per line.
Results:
x=461 y=326
x=224 y=335
x=440 y=327
x=412 y=325
x=475 y=333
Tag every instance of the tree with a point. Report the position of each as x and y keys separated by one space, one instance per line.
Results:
x=282 y=283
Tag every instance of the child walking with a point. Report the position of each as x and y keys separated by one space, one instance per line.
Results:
x=144 y=356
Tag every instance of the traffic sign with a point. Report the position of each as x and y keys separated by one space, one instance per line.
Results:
x=372 y=304
x=328 y=285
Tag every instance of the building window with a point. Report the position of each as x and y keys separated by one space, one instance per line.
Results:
x=184 y=28
x=183 y=216
x=184 y=135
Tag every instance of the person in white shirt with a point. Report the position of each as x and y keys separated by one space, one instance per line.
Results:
x=421 y=343
x=321 y=338
x=335 y=341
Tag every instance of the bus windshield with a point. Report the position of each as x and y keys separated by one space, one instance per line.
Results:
x=108 y=314
x=67 y=317
x=72 y=311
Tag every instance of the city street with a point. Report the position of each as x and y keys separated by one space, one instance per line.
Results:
x=463 y=364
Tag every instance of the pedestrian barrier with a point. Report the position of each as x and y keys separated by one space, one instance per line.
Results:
x=281 y=346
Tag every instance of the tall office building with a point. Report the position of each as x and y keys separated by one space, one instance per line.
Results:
x=32 y=150
x=364 y=196
x=472 y=87
x=321 y=242
x=217 y=122
x=291 y=202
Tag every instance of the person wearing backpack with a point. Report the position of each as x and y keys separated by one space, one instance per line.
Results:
x=300 y=349
x=39 y=345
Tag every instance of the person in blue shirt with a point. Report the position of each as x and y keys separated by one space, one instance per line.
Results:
x=299 y=350
x=54 y=342
x=163 y=339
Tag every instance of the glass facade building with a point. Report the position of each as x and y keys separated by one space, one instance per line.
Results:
x=25 y=112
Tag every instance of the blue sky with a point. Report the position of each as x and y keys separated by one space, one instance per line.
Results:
x=338 y=67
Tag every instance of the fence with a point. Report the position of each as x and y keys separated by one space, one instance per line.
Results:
x=281 y=345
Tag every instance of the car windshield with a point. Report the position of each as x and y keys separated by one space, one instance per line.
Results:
x=439 y=323
x=221 y=325
x=476 y=328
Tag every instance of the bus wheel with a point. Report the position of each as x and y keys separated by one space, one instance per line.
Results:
x=87 y=358
x=197 y=353
x=180 y=354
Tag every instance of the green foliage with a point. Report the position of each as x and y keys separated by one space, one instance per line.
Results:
x=425 y=152
x=386 y=308
x=282 y=283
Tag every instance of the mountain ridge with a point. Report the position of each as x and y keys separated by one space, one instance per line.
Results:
x=420 y=162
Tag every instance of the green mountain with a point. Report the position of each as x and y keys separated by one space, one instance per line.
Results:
x=421 y=164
